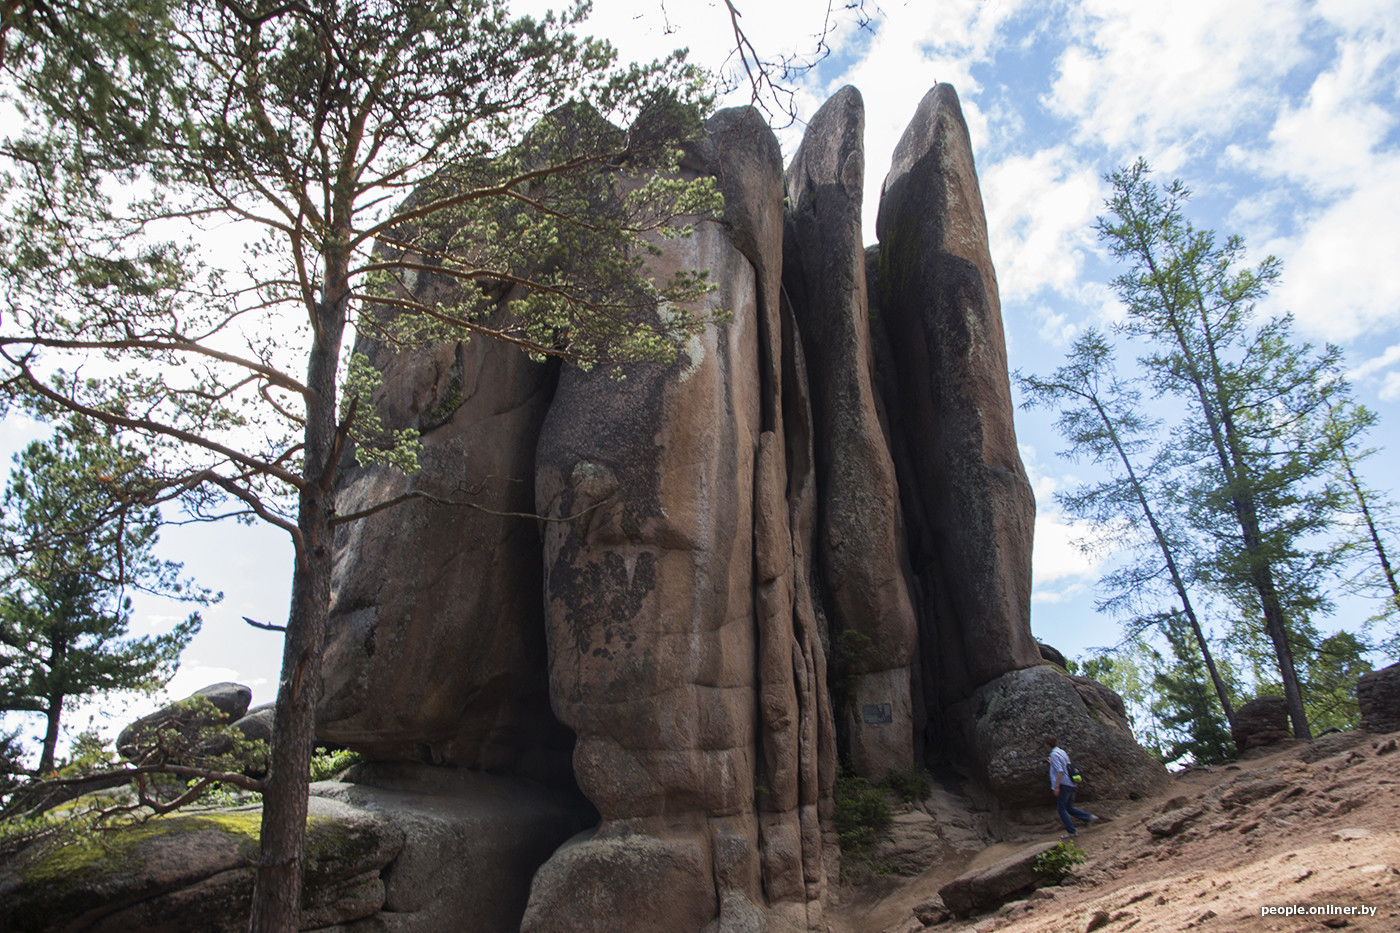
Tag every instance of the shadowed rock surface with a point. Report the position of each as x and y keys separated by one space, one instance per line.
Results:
x=1002 y=725
x=194 y=872
x=436 y=650
x=471 y=841
x=227 y=702
x=994 y=885
x=859 y=547
x=966 y=498
x=811 y=533
x=1378 y=694
x=1261 y=723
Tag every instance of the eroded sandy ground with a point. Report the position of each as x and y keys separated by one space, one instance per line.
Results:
x=1314 y=827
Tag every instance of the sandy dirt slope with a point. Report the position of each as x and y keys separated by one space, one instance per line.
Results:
x=1313 y=826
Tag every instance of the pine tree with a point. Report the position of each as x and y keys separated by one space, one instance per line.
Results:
x=1330 y=676
x=1190 y=714
x=1373 y=520
x=77 y=543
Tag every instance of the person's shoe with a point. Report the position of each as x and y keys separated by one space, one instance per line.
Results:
x=1091 y=821
x=1069 y=835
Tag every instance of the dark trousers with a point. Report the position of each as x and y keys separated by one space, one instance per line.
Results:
x=1065 y=804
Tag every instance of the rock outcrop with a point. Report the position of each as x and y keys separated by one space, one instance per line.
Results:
x=437 y=650
x=193 y=872
x=1261 y=723
x=216 y=704
x=471 y=841
x=1378 y=695
x=808 y=539
x=966 y=497
x=1002 y=724
x=679 y=657
x=992 y=886
x=859 y=549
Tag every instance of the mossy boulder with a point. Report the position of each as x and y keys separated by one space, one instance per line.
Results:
x=191 y=871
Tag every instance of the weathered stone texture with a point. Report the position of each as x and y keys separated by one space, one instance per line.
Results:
x=471 y=841
x=193 y=872
x=678 y=582
x=1378 y=693
x=859 y=543
x=436 y=647
x=227 y=703
x=1260 y=723
x=966 y=497
x=990 y=887
x=818 y=516
x=1001 y=726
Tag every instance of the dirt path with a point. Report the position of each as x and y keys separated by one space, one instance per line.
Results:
x=1314 y=827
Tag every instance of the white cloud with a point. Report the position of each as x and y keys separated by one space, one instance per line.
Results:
x=1056 y=328
x=1045 y=597
x=1375 y=367
x=1369 y=368
x=1362 y=15
x=1151 y=78
x=1056 y=557
x=1040 y=209
x=1330 y=140
x=1334 y=279
x=1390 y=389
x=1336 y=146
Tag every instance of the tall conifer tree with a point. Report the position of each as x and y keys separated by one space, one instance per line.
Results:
x=1258 y=398
x=77 y=544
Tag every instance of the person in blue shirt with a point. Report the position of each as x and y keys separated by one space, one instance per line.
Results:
x=1064 y=789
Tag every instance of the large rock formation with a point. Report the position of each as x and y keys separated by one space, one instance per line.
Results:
x=965 y=492
x=193 y=872
x=1261 y=723
x=1001 y=727
x=437 y=651
x=809 y=538
x=860 y=552
x=678 y=654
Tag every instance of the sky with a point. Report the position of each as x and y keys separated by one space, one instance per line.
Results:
x=1282 y=116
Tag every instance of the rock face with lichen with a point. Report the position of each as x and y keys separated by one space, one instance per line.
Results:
x=684 y=596
x=967 y=500
x=859 y=547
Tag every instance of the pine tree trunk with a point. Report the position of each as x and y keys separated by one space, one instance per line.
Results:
x=54 y=713
x=1376 y=542
x=277 y=895
x=277 y=891
x=58 y=661
x=1221 y=693
x=1278 y=634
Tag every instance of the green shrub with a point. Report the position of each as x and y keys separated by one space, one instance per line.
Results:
x=1055 y=863
x=862 y=813
x=908 y=784
x=327 y=763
